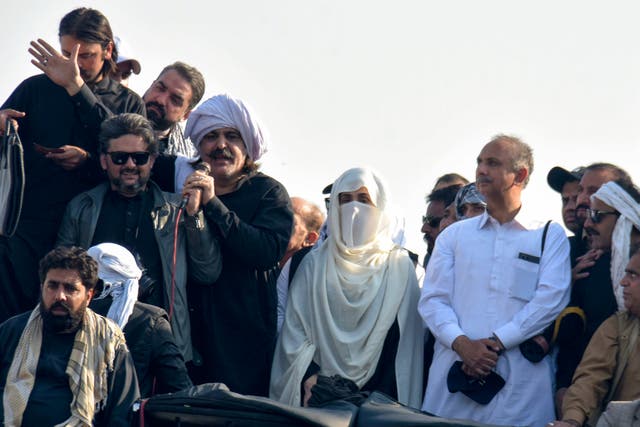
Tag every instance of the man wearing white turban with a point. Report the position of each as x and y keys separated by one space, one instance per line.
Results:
x=352 y=304
x=146 y=328
x=251 y=213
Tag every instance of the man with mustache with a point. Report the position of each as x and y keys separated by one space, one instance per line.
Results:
x=61 y=363
x=610 y=367
x=132 y=211
x=489 y=287
x=169 y=101
x=251 y=212
x=59 y=114
x=592 y=289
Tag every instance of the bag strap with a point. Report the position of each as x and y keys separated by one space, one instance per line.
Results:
x=544 y=237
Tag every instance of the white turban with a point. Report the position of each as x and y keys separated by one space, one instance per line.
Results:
x=616 y=197
x=120 y=273
x=223 y=111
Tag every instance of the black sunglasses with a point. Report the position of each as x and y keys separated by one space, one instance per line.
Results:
x=121 y=157
x=432 y=221
x=596 y=216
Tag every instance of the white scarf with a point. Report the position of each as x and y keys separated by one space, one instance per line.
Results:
x=343 y=301
x=616 y=197
x=120 y=273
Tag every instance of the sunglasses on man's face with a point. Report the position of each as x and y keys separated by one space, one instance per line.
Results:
x=121 y=157
x=431 y=221
x=597 y=216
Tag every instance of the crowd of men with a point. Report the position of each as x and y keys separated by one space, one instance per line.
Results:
x=178 y=238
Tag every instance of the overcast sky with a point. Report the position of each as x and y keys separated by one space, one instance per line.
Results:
x=412 y=88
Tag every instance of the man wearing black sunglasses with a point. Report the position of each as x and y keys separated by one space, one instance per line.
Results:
x=592 y=289
x=132 y=211
x=439 y=199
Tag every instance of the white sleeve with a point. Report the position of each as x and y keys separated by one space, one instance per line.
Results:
x=551 y=294
x=435 y=300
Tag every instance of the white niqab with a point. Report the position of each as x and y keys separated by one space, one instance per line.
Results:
x=616 y=197
x=120 y=273
x=344 y=299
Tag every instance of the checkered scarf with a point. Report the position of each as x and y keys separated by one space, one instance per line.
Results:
x=91 y=360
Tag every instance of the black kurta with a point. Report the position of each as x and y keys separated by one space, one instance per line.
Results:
x=53 y=119
x=235 y=317
x=51 y=396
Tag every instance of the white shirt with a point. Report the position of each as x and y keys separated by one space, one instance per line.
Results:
x=477 y=284
x=282 y=287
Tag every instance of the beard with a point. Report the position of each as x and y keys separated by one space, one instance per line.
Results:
x=158 y=120
x=134 y=188
x=64 y=324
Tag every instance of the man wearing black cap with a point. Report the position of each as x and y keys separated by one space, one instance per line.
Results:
x=567 y=183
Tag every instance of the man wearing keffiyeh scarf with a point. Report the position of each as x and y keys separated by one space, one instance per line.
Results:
x=62 y=364
x=615 y=210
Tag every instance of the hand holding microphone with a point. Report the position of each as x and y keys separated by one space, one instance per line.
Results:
x=198 y=189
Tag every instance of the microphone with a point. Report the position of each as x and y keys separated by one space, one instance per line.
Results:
x=201 y=166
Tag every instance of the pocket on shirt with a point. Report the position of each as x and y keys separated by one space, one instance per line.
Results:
x=525 y=280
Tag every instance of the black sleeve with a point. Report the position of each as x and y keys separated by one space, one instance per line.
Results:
x=123 y=392
x=167 y=363
x=262 y=241
x=90 y=109
x=164 y=171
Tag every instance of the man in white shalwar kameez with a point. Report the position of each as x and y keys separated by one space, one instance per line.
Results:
x=489 y=287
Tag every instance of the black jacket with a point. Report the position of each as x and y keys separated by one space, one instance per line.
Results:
x=153 y=348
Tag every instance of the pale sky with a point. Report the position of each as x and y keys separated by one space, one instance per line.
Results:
x=413 y=89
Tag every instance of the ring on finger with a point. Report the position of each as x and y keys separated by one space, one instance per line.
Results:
x=44 y=61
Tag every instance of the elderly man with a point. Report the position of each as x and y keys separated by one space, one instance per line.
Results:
x=169 y=101
x=250 y=211
x=61 y=363
x=59 y=115
x=160 y=367
x=490 y=287
x=130 y=210
x=307 y=220
x=610 y=367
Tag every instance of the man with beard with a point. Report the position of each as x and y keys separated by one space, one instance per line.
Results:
x=614 y=212
x=169 y=100
x=592 y=289
x=132 y=211
x=250 y=211
x=59 y=114
x=61 y=363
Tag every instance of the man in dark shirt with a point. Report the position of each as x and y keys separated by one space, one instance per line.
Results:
x=169 y=101
x=592 y=288
x=250 y=211
x=131 y=211
x=59 y=115
x=62 y=363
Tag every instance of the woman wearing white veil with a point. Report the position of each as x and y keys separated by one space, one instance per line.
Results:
x=352 y=309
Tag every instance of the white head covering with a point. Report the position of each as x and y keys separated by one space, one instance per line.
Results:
x=120 y=273
x=223 y=111
x=344 y=299
x=616 y=197
x=125 y=53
